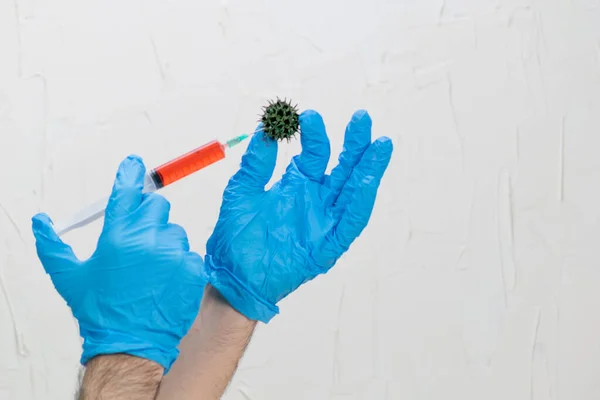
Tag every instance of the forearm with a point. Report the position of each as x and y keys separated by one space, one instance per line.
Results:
x=120 y=376
x=210 y=352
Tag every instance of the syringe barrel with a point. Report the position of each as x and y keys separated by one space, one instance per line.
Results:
x=155 y=179
x=187 y=164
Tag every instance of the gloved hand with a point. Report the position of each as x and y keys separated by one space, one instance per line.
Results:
x=268 y=243
x=140 y=291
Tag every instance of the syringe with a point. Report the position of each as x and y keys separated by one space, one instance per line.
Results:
x=158 y=178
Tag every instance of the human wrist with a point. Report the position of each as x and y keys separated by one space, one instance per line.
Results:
x=120 y=376
x=239 y=295
x=222 y=325
x=211 y=351
x=98 y=342
x=217 y=308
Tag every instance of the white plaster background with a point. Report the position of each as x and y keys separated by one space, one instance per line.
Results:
x=478 y=277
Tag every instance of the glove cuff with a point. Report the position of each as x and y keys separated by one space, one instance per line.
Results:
x=96 y=343
x=239 y=295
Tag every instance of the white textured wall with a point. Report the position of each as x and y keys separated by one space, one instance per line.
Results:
x=478 y=277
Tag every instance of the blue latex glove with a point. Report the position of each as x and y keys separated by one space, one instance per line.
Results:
x=140 y=291
x=268 y=243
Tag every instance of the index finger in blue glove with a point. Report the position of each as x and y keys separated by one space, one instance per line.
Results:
x=313 y=159
x=258 y=164
x=178 y=234
x=126 y=194
x=190 y=291
x=195 y=266
x=360 y=192
x=156 y=208
x=55 y=255
x=356 y=140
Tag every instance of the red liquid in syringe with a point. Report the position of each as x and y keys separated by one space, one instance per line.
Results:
x=187 y=164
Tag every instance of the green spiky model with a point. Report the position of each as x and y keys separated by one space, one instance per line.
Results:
x=280 y=120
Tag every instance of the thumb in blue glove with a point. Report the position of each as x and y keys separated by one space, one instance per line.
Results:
x=140 y=291
x=268 y=243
